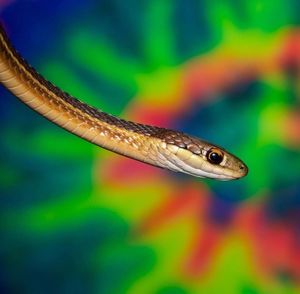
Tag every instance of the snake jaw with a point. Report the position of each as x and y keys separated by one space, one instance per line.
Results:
x=183 y=160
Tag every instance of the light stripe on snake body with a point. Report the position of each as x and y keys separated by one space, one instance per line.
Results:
x=157 y=146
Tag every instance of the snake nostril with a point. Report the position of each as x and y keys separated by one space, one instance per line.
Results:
x=243 y=169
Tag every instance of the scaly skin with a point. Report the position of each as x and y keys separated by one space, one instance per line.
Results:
x=153 y=145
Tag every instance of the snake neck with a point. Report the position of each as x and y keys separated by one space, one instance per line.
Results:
x=105 y=130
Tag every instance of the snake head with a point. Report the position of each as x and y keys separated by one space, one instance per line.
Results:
x=199 y=158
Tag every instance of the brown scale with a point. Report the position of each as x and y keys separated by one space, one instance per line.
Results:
x=179 y=139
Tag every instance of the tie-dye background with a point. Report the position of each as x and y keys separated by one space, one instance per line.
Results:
x=77 y=219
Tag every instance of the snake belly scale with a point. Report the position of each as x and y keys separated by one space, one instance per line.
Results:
x=157 y=146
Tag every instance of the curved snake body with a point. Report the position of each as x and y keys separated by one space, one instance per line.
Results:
x=157 y=146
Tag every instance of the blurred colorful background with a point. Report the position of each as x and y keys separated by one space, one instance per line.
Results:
x=78 y=219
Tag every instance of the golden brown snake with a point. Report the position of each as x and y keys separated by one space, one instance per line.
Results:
x=157 y=146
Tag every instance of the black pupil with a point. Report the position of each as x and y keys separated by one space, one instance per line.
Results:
x=215 y=158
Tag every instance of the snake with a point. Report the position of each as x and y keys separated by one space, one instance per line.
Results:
x=161 y=147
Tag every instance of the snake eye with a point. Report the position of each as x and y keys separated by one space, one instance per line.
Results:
x=214 y=156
